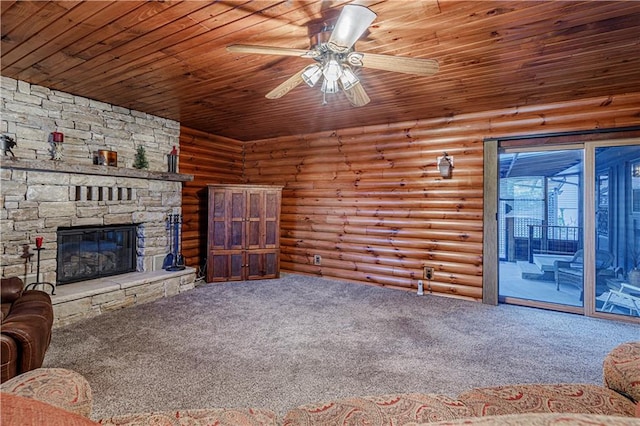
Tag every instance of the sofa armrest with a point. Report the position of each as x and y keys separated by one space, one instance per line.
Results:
x=547 y=398
x=621 y=370
x=63 y=388
x=9 y=352
x=10 y=289
x=32 y=335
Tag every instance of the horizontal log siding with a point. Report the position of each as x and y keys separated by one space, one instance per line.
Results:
x=210 y=159
x=370 y=200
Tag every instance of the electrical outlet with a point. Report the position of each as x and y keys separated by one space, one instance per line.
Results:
x=317 y=259
x=428 y=272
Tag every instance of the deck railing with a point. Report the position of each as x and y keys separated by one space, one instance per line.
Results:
x=553 y=239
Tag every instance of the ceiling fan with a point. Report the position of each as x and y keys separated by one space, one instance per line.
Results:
x=336 y=61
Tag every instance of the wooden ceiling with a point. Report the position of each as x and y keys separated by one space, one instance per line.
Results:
x=168 y=58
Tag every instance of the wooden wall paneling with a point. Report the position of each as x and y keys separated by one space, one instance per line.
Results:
x=210 y=159
x=403 y=179
x=370 y=200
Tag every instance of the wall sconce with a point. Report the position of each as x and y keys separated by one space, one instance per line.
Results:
x=445 y=166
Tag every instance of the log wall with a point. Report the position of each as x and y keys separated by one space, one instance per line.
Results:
x=371 y=202
x=210 y=159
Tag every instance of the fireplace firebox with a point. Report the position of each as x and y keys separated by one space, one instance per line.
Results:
x=86 y=253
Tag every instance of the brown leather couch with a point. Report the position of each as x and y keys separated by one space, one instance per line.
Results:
x=27 y=318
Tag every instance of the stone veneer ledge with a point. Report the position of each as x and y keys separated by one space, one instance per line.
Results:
x=77 y=301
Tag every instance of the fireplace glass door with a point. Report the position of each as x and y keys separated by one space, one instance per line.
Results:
x=86 y=253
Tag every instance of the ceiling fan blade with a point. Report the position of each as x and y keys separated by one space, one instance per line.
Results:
x=287 y=86
x=357 y=95
x=271 y=50
x=401 y=64
x=352 y=23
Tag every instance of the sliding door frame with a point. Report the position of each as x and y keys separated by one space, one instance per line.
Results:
x=590 y=227
x=490 y=289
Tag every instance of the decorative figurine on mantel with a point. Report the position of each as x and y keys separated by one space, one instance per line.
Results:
x=56 y=140
x=6 y=143
x=141 y=161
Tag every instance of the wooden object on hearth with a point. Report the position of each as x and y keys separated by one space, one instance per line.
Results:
x=244 y=232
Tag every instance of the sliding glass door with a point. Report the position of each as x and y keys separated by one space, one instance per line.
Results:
x=616 y=208
x=540 y=232
x=568 y=228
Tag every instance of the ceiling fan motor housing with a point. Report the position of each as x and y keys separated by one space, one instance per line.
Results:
x=321 y=38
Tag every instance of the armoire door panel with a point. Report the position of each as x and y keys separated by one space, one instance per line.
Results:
x=225 y=266
x=255 y=219
x=262 y=264
x=236 y=217
x=272 y=219
x=219 y=237
x=271 y=234
x=217 y=222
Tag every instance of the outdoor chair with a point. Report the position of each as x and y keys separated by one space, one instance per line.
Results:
x=627 y=296
x=571 y=271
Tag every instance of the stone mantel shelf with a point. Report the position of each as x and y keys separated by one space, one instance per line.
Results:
x=90 y=169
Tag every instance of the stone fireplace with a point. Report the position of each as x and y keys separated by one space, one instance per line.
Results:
x=53 y=197
x=42 y=197
x=88 y=252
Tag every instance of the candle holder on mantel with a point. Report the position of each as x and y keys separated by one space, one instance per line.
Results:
x=39 y=248
x=56 y=140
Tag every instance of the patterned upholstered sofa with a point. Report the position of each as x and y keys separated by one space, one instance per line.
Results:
x=61 y=397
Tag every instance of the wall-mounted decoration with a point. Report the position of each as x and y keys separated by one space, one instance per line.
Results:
x=445 y=165
x=6 y=144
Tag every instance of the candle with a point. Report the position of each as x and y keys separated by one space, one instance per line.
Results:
x=58 y=137
x=39 y=242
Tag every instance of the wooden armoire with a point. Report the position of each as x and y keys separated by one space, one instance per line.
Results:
x=244 y=232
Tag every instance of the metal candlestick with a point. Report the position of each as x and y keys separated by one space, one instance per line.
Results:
x=53 y=287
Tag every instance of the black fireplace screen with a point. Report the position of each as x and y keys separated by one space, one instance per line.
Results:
x=91 y=252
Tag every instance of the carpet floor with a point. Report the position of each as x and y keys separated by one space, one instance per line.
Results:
x=280 y=343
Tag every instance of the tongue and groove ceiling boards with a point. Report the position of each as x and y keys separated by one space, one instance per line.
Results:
x=169 y=58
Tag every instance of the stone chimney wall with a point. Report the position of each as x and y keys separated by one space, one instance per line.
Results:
x=40 y=194
x=31 y=113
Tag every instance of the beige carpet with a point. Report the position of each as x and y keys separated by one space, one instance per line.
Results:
x=281 y=343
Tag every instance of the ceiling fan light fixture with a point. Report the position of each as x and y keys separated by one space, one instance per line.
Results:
x=332 y=70
x=332 y=49
x=312 y=74
x=330 y=86
x=348 y=79
x=352 y=23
